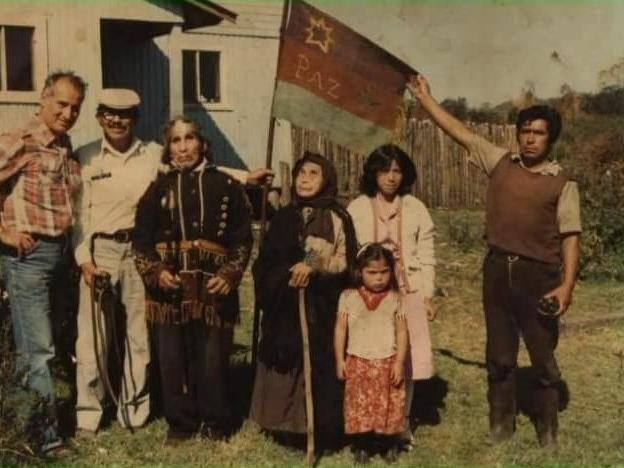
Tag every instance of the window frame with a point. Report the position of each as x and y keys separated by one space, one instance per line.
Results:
x=224 y=104
x=39 y=60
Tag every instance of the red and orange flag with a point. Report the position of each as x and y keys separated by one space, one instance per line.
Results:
x=336 y=81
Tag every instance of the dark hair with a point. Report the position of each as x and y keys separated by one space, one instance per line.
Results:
x=541 y=112
x=370 y=253
x=380 y=160
x=196 y=129
x=76 y=81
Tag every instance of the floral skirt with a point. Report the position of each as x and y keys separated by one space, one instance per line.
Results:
x=372 y=403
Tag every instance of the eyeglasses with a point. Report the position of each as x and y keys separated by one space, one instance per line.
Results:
x=121 y=114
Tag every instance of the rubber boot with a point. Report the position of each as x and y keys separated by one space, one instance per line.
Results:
x=502 y=401
x=546 y=422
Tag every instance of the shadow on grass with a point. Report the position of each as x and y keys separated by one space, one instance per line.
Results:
x=525 y=391
x=460 y=360
x=428 y=399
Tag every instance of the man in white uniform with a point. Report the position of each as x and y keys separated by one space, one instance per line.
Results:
x=116 y=170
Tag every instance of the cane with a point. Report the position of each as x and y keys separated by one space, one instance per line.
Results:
x=307 y=376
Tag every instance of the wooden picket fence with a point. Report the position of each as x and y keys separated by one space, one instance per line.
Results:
x=445 y=177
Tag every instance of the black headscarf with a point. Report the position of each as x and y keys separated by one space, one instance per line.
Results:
x=320 y=224
x=329 y=190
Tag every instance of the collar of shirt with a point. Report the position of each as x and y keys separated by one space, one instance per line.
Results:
x=387 y=211
x=40 y=132
x=135 y=147
x=552 y=168
x=166 y=168
x=201 y=165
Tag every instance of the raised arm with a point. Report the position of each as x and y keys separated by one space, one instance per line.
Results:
x=453 y=127
x=256 y=177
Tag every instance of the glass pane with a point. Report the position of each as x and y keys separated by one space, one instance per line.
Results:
x=210 y=86
x=189 y=80
x=19 y=58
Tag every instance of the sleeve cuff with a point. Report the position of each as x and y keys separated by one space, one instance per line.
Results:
x=239 y=175
x=82 y=255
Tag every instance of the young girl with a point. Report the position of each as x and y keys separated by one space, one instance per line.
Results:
x=309 y=244
x=388 y=214
x=371 y=315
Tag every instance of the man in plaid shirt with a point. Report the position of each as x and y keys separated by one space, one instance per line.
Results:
x=38 y=179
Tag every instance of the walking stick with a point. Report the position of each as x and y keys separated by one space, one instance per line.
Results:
x=307 y=378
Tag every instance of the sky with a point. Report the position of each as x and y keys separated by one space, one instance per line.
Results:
x=488 y=51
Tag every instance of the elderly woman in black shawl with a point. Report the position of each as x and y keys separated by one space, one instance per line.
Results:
x=310 y=243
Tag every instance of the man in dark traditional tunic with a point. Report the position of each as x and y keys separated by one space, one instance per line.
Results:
x=193 y=240
x=532 y=230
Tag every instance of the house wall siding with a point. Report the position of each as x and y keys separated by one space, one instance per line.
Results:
x=249 y=50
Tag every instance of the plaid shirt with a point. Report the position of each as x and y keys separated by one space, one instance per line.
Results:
x=38 y=180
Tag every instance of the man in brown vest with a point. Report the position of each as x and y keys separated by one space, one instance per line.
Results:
x=532 y=230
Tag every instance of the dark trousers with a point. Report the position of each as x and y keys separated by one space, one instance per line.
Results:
x=193 y=361
x=512 y=286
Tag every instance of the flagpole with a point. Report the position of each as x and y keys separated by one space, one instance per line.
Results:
x=265 y=191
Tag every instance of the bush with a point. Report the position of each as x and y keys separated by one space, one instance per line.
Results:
x=594 y=148
x=464 y=229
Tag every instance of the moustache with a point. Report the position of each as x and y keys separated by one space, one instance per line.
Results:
x=116 y=126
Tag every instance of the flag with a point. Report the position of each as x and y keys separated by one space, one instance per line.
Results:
x=336 y=81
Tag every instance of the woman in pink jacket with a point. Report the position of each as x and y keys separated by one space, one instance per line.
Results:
x=388 y=214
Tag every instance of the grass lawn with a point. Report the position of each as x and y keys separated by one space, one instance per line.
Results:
x=591 y=360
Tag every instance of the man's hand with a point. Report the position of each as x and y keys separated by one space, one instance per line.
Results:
x=20 y=241
x=217 y=285
x=88 y=270
x=429 y=309
x=419 y=86
x=168 y=281
x=260 y=176
x=563 y=294
x=299 y=275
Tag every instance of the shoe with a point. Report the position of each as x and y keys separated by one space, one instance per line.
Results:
x=214 y=433
x=500 y=433
x=391 y=456
x=360 y=457
x=406 y=441
x=546 y=423
x=54 y=448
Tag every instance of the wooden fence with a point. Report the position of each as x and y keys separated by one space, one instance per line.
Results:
x=445 y=177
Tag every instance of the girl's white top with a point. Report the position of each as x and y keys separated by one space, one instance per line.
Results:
x=371 y=333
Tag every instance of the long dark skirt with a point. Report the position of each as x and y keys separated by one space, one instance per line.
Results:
x=278 y=400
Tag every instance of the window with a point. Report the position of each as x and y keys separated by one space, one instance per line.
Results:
x=202 y=77
x=16 y=58
x=23 y=57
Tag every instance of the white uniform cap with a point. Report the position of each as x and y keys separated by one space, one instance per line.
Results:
x=119 y=98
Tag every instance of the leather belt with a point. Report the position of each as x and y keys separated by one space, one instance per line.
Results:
x=188 y=245
x=53 y=239
x=123 y=236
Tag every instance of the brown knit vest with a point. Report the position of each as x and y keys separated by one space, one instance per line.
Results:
x=521 y=211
